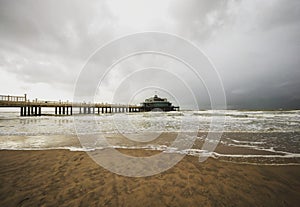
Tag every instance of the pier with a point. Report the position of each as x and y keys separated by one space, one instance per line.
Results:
x=34 y=107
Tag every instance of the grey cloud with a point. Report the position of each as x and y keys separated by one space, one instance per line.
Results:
x=199 y=18
x=49 y=41
x=279 y=13
x=254 y=44
x=54 y=26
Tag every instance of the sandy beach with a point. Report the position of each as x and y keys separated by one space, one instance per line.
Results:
x=65 y=178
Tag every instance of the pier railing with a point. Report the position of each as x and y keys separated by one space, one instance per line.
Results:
x=22 y=100
x=13 y=98
x=34 y=107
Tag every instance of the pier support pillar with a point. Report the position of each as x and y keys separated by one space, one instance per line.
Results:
x=21 y=111
x=24 y=111
x=71 y=110
x=28 y=110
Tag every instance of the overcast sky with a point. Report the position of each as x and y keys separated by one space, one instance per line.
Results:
x=254 y=45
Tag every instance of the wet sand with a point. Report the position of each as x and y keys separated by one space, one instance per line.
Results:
x=65 y=178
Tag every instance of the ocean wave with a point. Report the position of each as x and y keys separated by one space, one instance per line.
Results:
x=166 y=149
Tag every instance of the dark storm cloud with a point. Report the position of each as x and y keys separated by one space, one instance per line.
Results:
x=254 y=44
x=279 y=14
x=198 y=19
x=48 y=41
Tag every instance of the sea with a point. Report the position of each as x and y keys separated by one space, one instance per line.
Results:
x=254 y=137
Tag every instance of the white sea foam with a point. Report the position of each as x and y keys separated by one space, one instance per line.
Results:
x=287 y=155
x=192 y=152
x=247 y=142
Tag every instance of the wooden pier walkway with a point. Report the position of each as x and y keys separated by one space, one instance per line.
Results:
x=34 y=107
